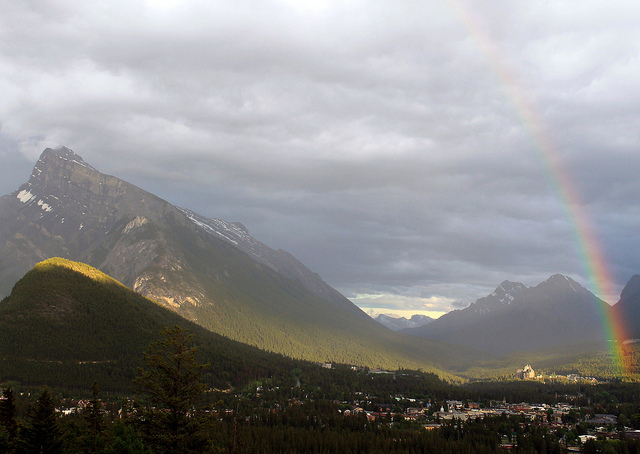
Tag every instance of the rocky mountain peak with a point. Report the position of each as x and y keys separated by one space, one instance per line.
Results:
x=61 y=152
x=89 y=215
x=66 y=209
x=210 y=271
x=503 y=295
x=559 y=282
x=558 y=311
x=57 y=157
x=507 y=291
x=52 y=175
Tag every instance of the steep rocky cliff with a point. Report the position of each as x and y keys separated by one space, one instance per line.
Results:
x=69 y=209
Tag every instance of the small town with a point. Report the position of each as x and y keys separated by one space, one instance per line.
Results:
x=567 y=421
x=573 y=425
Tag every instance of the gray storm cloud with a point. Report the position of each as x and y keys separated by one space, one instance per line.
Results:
x=384 y=144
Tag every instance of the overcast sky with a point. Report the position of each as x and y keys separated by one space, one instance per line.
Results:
x=413 y=153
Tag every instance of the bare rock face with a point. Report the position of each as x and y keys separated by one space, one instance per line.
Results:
x=69 y=209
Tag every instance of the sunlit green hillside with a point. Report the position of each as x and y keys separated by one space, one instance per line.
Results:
x=66 y=323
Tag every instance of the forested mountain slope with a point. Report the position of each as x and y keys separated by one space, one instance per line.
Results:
x=66 y=323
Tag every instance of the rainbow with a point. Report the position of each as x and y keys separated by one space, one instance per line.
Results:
x=585 y=240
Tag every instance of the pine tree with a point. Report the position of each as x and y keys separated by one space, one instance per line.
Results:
x=42 y=433
x=93 y=415
x=8 y=413
x=173 y=381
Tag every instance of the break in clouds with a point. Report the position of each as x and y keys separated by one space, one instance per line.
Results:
x=391 y=147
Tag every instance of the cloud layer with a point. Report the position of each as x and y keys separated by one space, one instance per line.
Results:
x=399 y=149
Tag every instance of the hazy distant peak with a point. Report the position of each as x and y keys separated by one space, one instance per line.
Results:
x=399 y=323
x=508 y=286
x=557 y=278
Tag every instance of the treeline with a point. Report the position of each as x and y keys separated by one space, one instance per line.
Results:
x=604 y=396
x=305 y=428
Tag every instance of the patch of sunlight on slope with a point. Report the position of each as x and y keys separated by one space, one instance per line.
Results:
x=79 y=267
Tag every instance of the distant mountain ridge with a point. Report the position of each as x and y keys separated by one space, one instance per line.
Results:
x=399 y=323
x=558 y=311
x=456 y=320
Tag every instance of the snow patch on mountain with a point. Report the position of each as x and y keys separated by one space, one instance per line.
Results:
x=45 y=206
x=232 y=232
x=25 y=196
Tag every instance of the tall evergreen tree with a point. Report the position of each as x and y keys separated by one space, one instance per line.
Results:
x=8 y=423
x=42 y=433
x=8 y=413
x=172 y=379
x=93 y=413
x=94 y=417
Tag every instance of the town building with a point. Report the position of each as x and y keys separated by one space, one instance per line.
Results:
x=526 y=374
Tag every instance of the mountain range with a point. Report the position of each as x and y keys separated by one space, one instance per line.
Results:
x=215 y=274
x=515 y=317
x=399 y=323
